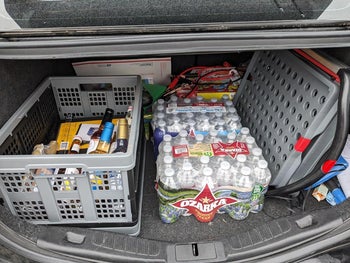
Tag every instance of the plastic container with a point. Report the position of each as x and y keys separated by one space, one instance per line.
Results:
x=91 y=200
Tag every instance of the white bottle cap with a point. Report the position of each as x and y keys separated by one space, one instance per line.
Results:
x=213 y=133
x=228 y=103
x=262 y=164
x=173 y=98
x=213 y=100
x=167 y=149
x=199 y=98
x=207 y=171
x=245 y=170
x=257 y=151
x=218 y=114
x=187 y=100
x=204 y=159
x=231 y=109
x=235 y=118
x=250 y=140
x=168 y=159
x=231 y=136
x=225 y=97
x=225 y=165
x=169 y=172
x=160 y=115
x=160 y=108
x=187 y=167
x=160 y=101
x=221 y=122
x=167 y=138
x=189 y=115
x=241 y=158
x=161 y=123
x=245 y=131
x=183 y=133
x=199 y=137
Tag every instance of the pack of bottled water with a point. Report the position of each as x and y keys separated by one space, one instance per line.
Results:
x=207 y=163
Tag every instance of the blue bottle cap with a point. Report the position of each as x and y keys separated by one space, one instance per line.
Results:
x=107 y=132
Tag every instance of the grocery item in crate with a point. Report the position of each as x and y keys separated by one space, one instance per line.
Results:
x=196 y=116
x=104 y=140
x=209 y=82
x=200 y=177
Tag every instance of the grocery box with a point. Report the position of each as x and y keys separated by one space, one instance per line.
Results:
x=105 y=191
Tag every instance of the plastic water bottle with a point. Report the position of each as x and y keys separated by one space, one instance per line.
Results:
x=167 y=140
x=156 y=118
x=221 y=129
x=244 y=133
x=199 y=99
x=168 y=180
x=159 y=102
x=237 y=166
x=212 y=137
x=186 y=176
x=158 y=135
x=243 y=184
x=203 y=125
x=262 y=176
x=175 y=126
x=255 y=156
x=233 y=123
x=223 y=175
x=166 y=151
x=181 y=138
x=250 y=141
x=187 y=102
x=205 y=177
x=216 y=116
x=231 y=137
x=225 y=98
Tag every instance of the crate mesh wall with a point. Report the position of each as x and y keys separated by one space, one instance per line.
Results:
x=281 y=99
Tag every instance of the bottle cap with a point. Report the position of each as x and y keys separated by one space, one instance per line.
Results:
x=169 y=172
x=207 y=171
x=225 y=97
x=176 y=119
x=221 y=122
x=245 y=131
x=189 y=115
x=160 y=115
x=228 y=103
x=262 y=164
x=168 y=159
x=173 y=98
x=225 y=165
x=199 y=98
x=160 y=108
x=235 y=118
x=213 y=100
x=213 y=133
x=241 y=158
x=191 y=122
x=245 y=170
x=187 y=100
x=183 y=133
x=231 y=136
x=107 y=132
x=187 y=166
x=167 y=149
x=167 y=138
x=250 y=140
x=161 y=123
x=204 y=159
x=232 y=109
x=108 y=116
x=199 y=137
x=160 y=101
x=257 y=151
x=218 y=114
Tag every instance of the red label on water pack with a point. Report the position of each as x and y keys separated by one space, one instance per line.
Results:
x=205 y=205
x=180 y=151
x=232 y=149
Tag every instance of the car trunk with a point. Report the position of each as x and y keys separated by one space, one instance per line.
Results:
x=285 y=222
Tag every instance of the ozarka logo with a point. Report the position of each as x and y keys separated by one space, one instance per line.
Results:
x=205 y=205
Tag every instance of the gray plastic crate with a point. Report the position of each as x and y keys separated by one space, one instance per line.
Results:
x=73 y=199
x=281 y=99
